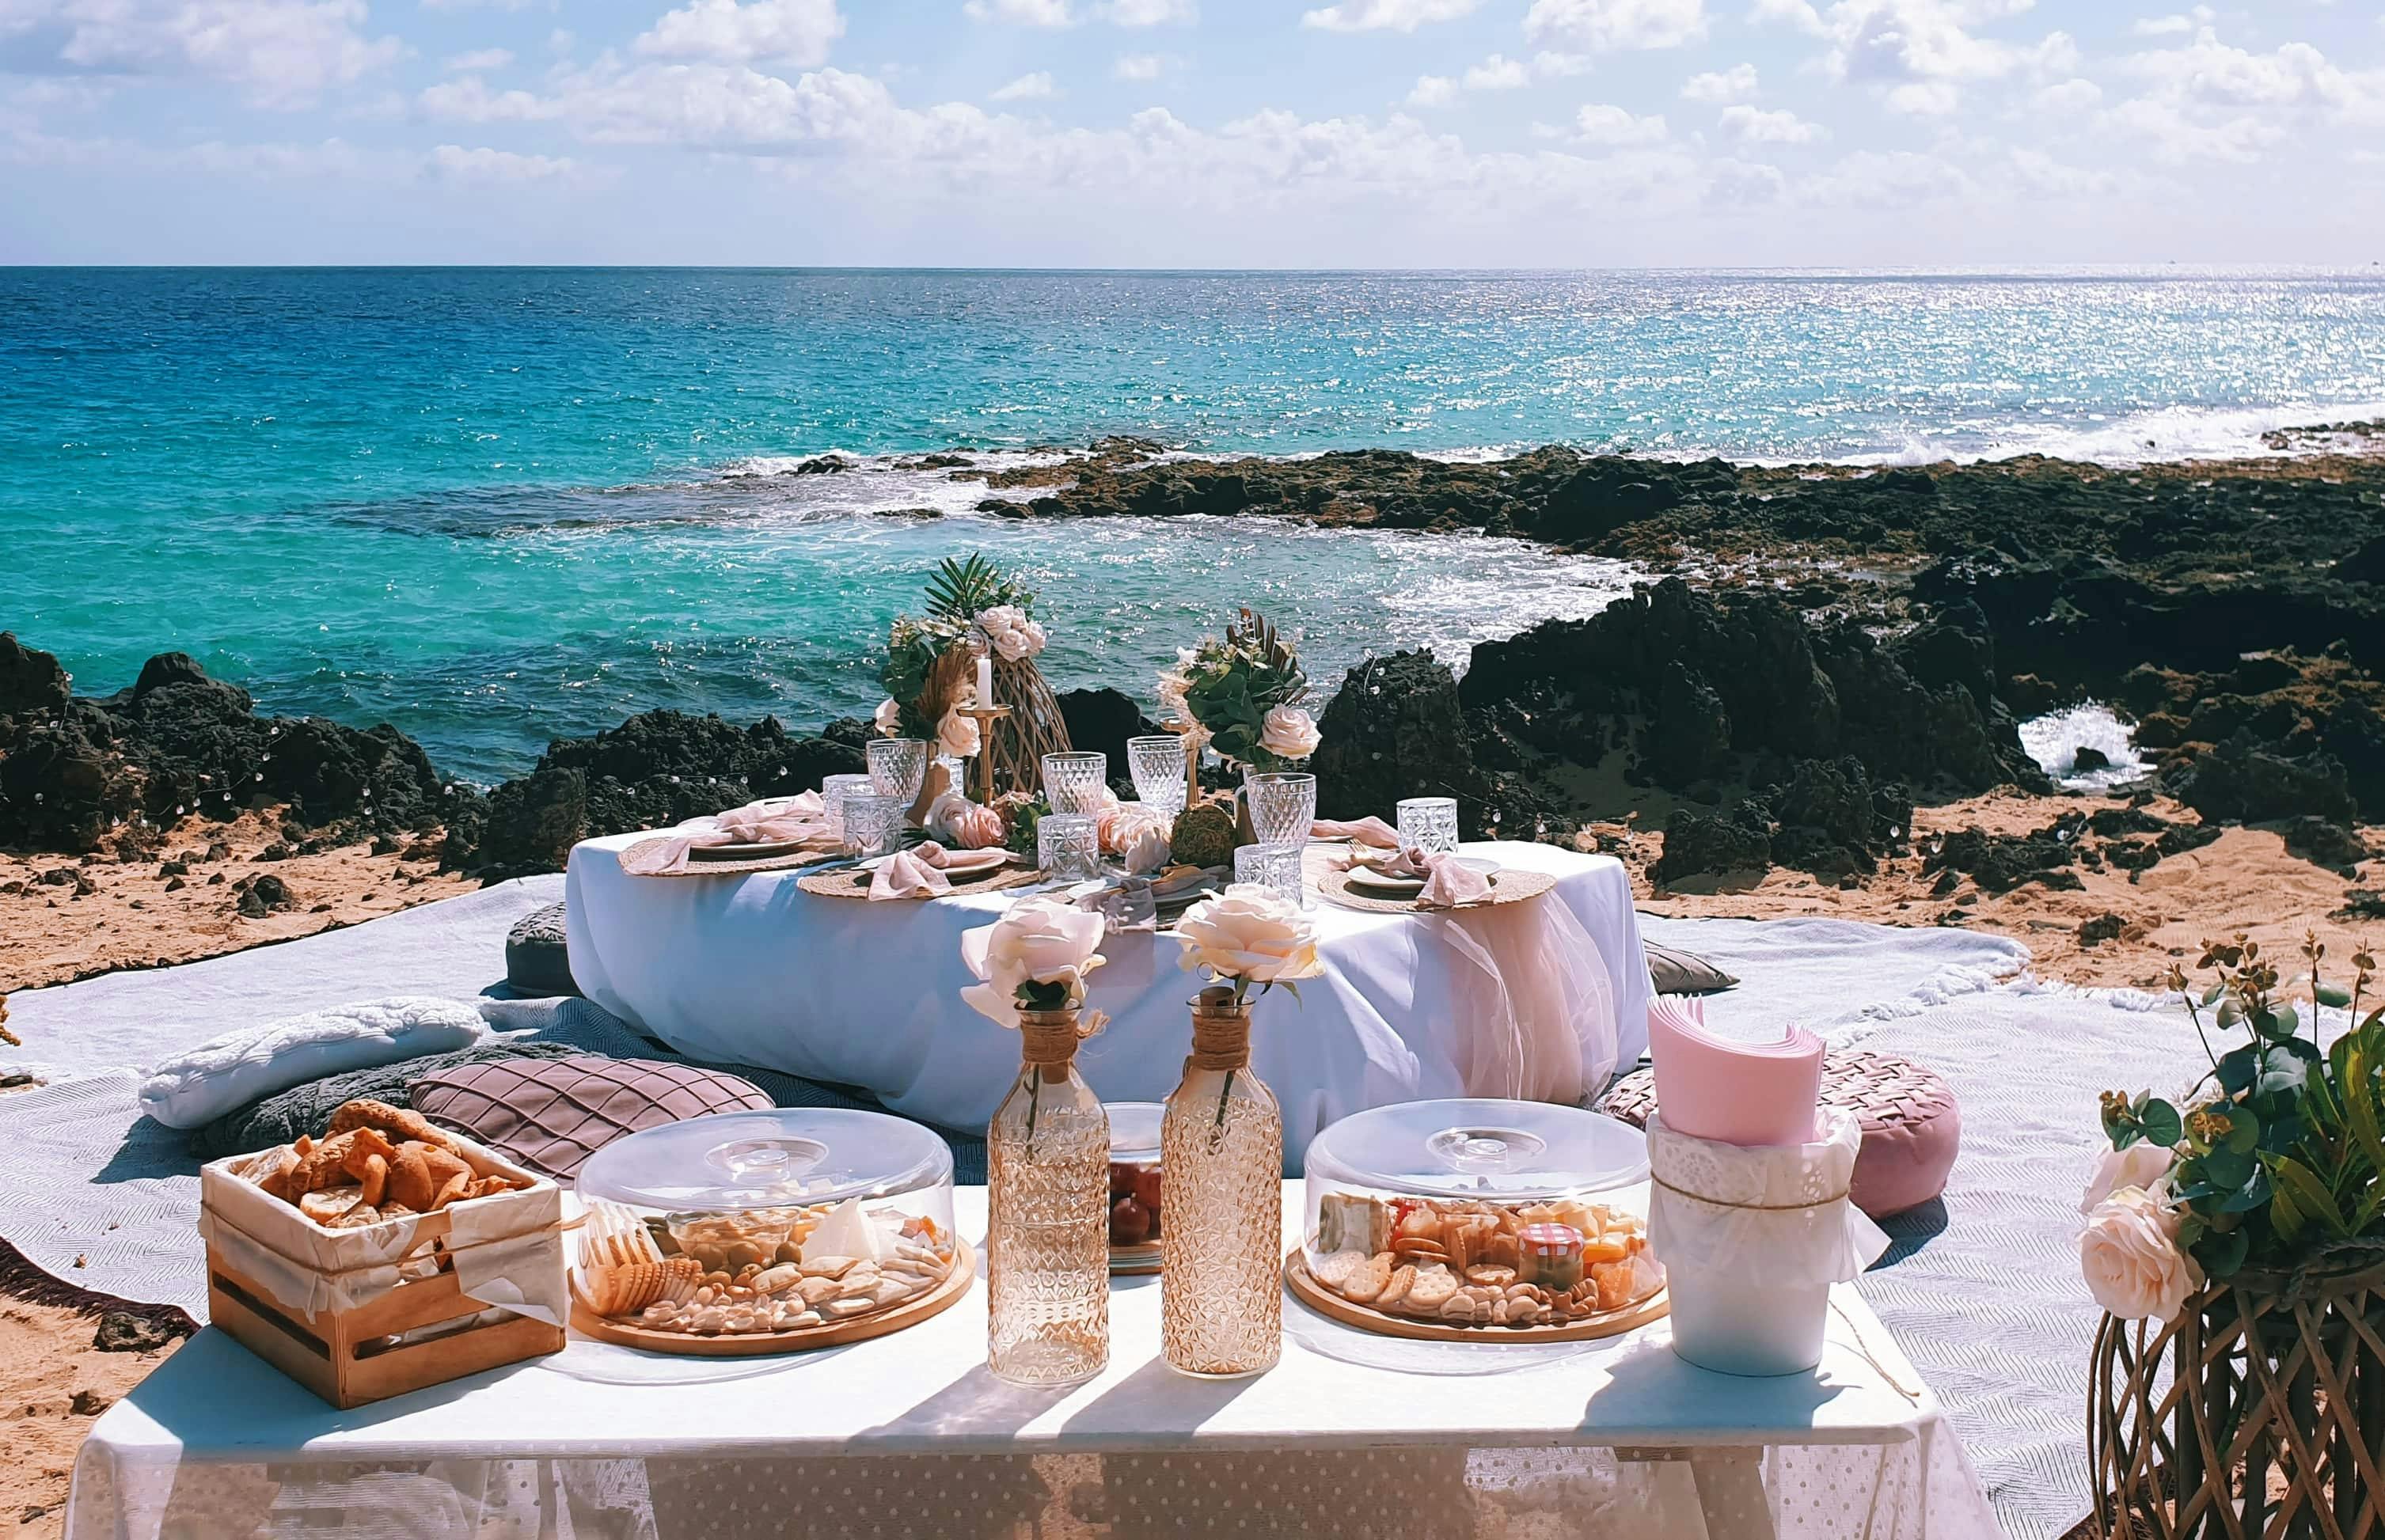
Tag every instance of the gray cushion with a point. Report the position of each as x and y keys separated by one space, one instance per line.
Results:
x=537 y=963
x=1682 y=972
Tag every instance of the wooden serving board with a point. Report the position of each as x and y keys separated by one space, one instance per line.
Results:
x=748 y=1344
x=1323 y=1300
x=1134 y=1261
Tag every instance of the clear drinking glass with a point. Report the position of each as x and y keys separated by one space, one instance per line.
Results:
x=1068 y=845
x=833 y=791
x=1429 y=823
x=1157 y=766
x=1284 y=805
x=1074 y=782
x=897 y=765
x=1276 y=866
x=873 y=822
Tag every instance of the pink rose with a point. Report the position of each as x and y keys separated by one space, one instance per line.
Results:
x=2130 y=1257
x=965 y=824
x=1290 y=733
x=1037 y=941
x=1252 y=932
x=889 y=718
x=2140 y=1165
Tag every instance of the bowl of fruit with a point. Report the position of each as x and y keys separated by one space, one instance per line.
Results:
x=1134 y=1186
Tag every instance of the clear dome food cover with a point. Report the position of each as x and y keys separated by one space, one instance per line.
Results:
x=800 y=1214
x=1481 y=1213
x=1134 y=1179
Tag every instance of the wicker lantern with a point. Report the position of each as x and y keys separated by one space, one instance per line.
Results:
x=2258 y=1412
x=1018 y=742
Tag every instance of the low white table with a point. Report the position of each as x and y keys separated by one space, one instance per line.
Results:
x=908 y=1435
x=752 y=970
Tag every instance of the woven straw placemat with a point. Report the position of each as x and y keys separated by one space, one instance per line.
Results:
x=1508 y=886
x=713 y=866
x=853 y=883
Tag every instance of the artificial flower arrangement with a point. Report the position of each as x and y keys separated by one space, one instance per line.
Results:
x=1035 y=958
x=1250 y=937
x=1243 y=694
x=2278 y=1163
x=973 y=611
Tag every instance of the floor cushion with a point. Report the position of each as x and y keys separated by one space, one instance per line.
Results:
x=1912 y=1126
x=1684 y=972
x=307 y=1109
x=553 y=1114
x=201 y=1084
x=538 y=962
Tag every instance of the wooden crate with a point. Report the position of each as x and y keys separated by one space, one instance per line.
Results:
x=423 y=1332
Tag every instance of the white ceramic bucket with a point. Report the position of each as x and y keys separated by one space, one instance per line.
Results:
x=1741 y=1325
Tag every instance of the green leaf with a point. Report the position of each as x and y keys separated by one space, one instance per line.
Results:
x=2279 y=1020
x=2333 y=994
x=2252 y=1195
x=2360 y=1105
x=2161 y=1123
x=2229 y=1011
x=2310 y=1194
x=2238 y=1068
x=2283 y=1214
x=2223 y=1252
x=2243 y=1129
x=2325 y=1109
x=2228 y=1169
x=2212 y=995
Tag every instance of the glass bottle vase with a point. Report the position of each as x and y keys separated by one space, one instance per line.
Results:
x=1047 y=1269
x=1222 y=1204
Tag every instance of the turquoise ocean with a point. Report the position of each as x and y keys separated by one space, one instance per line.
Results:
x=497 y=505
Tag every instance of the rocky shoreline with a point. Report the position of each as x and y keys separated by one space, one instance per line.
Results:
x=1825 y=650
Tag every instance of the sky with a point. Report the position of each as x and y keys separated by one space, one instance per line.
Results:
x=1193 y=133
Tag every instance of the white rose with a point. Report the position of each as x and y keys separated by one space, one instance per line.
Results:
x=890 y=718
x=1040 y=940
x=1250 y=931
x=2130 y=1257
x=2140 y=1165
x=1146 y=848
x=1289 y=733
x=1036 y=640
x=1010 y=645
x=957 y=735
x=999 y=619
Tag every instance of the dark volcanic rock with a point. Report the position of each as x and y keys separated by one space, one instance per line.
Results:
x=136 y=1332
x=656 y=769
x=1736 y=686
x=1699 y=844
x=2000 y=863
x=33 y=685
x=2323 y=844
x=2239 y=781
x=2102 y=928
x=1396 y=730
x=1099 y=721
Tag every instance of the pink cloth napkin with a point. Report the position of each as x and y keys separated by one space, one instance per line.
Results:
x=1747 y=1094
x=1399 y=860
x=910 y=875
x=1362 y=831
x=1448 y=885
x=769 y=822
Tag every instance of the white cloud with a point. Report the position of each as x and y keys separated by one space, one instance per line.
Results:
x=454 y=162
x=2066 y=98
x=1398 y=16
x=469 y=100
x=1432 y=90
x=1026 y=88
x=789 y=32
x=2164 y=26
x=1150 y=13
x=1924 y=98
x=1608 y=25
x=1023 y=13
x=2175 y=137
x=280 y=54
x=1754 y=126
x=1734 y=85
x=1137 y=67
x=1899 y=178
x=1894 y=43
x=477 y=59
x=1498 y=73
x=1602 y=123
x=1548 y=65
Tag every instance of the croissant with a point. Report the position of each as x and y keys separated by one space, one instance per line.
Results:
x=397 y=1122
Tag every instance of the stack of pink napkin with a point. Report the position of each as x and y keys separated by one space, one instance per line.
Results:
x=1746 y=1093
x=1361 y=831
x=911 y=874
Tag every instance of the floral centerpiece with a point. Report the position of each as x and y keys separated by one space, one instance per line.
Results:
x=979 y=635
x=1047 y=1149
x=1242 y=695
x=2236 y=1238
x=1221 y=1141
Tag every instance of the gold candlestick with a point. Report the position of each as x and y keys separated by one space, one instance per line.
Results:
x=985 y=717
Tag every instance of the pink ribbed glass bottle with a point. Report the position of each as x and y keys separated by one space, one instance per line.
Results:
x=1047 y=1267
x=1221 y=1203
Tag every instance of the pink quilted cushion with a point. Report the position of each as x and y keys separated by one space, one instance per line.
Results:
x=553 y=1114
x=1912 y=1126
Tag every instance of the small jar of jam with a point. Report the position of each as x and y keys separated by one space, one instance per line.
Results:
x=1548 y=1254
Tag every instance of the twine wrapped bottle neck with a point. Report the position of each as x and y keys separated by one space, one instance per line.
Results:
x=1048 y=1040
x=1221 y=1031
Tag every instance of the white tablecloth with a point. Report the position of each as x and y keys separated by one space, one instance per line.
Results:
x=754 y=971
x=908 y=1435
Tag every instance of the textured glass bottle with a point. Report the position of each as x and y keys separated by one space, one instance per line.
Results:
x=1221 y=1203
x=1047 y=1269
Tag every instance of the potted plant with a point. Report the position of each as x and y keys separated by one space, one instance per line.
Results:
x=2236 y=1240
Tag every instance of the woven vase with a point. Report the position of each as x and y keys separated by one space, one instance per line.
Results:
x=1033 y=728
x=2259 y=1411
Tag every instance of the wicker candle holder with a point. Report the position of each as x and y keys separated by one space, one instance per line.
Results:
x=2258 y=1410
x=1031 y=726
